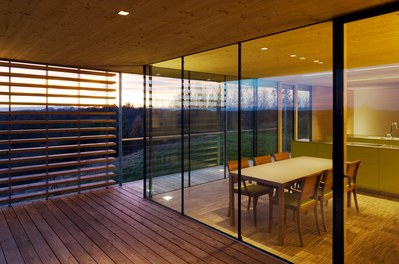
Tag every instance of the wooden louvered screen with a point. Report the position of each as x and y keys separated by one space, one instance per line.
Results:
x=57 y=130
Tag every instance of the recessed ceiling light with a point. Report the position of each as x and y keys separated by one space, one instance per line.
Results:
x=123 y=13
x=320 y=62
x=264 y=48
x=316 y=61
x=302 y=58
x=292 y=55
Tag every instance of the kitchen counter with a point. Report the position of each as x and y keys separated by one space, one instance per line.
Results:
x=379 y=168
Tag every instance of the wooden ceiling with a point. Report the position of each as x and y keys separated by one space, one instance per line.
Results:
x=90 y=34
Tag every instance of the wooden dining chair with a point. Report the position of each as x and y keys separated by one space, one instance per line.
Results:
x=350 y=187
x=262 y=159
x=325 y=193
x=281 y=156
x=248 y=189
x=301 y=200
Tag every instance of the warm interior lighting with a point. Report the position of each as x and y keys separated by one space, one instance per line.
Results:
x=316 y=61
x=320 y=62
x=167 y=198
x=123 y=13
x=264 y=48
x=292 y=55
x=302 y=58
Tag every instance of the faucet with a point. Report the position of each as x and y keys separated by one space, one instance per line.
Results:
x=394 y=124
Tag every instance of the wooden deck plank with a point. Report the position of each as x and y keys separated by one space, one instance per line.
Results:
x=27 y=250
x=236 y=250
x=72 y=244
x=209 y=250
x=128 y=241
x=39 y=243
x=59 y=249
x=167 y=239
x=114 y=225
x=89 y=230
x=164 y=241
x=121 y=220
x=9 y=247
x=87 y=243
x=2 y=257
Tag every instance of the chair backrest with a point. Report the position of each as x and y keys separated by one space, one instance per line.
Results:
x=351 y=169
x=309 y=187
x=281 y=156
x=327 y=179
x=233 y=165
x=262 y=159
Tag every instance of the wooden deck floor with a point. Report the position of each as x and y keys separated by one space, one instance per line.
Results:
x=113 y=225
x=372 y=234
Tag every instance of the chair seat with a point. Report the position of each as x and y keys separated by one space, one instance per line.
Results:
x=291 y=200
x=253 y=189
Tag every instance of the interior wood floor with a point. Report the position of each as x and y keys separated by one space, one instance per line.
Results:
x=114 y=225
x=372 y=235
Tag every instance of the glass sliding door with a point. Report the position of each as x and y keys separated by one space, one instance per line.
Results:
x=372 y=67
x=292 y=82
x=163 y=135
x=211 y=134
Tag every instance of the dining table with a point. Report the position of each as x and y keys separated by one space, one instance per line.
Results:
x=280 y=175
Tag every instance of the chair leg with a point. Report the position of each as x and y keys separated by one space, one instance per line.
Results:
x=323 y=219
x=355 y=199
x=299 y=227
x=249 y=203
x=254 y=209
x=316 y=219
x=348 y=199
x=270 y=215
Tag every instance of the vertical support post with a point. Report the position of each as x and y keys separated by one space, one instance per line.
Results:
x=225 y=127
x=189 y=127
x=182 y=135
x=295 y=93
x=120 y=147
x=279 y=117
x=255 y=118
x=145 y=131
x=339 y=139
x=239 y=143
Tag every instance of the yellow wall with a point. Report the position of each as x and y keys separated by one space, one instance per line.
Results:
x=321 y=113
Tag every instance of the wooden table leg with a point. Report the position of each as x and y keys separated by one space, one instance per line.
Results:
x=281 y=215
x=231 y=201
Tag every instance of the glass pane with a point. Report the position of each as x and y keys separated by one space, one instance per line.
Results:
x=164 y=117
x=291 y=100
x=373 y=139
x=211 y=134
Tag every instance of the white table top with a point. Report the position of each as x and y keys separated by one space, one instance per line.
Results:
x=285 y=171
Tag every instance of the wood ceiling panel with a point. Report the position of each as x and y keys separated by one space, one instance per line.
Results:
x=89 y=33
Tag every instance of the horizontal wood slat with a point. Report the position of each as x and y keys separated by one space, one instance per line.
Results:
x=58 y=156
x=57 y=95
x=56 y=165
x=58 y=78
x=61 y=87
x=56 y=130
x=53 y=104
x=50 y=183
x=54 y=174
x=73 y=121
x=56 y=139
x=56 y=69
x=58 y=147
x=62 y=190
x=50 y=113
